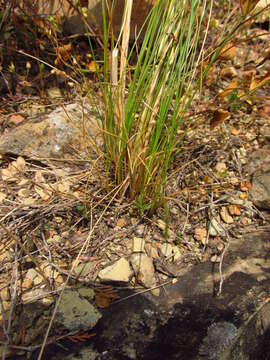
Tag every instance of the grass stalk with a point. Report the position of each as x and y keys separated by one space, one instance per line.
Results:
x=143 y=116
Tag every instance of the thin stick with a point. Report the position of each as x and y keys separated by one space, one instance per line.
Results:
x=171 y=281
x=220 y=269
x=47 y=64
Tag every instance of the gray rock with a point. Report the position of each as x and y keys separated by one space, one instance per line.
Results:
x=86 y=353
x=215 y=228
x=260 y=191
x=76 y=313
x=220 y=336
x=259 y=161
x=52 y=135
x=259 y=170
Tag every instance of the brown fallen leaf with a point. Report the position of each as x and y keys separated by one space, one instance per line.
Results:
x=245 y=186
x=258 y=82
x=247 y=76
x=63 y=53
x=16 y=119
x=228 y=52
x=218 y=118
x=228 y=72
x=232 y=86
x=235 y=131
x=92 y=66
x=102 y=301
x=105 y=297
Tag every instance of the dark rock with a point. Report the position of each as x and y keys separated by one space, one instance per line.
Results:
x=259 y=169
x=260 y=191
x=220 y=336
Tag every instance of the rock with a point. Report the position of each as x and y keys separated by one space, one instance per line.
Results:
x=85 y=353
x=49 y=271
x=138 y=244
x=166 y=250
x=155 y=292
x=27 y=284
x=140 y=230
x=119 y=271
x=225 y=216
x=4 y=294
x=162 y=226
x=259 y=168
x=259 y=161
x=35 y=295
x=200 y=234
x=235 y=200
x=54 y=239
x=174 y=211
x=140 y=10
x=221 y=167
x=220 y=335
x=121 y=223
x=215 y=228
x=215 y=259
x=260 y=191
x=54 y=93
x=87 y=293
x=52 y=135
x=59 y=280
x=144 y=269
x=151 y=251
x=38 y=280
x=47 y=301
x=234 y=210
x=75 y=313
x=176 y=253
x=85 y=269
x=31 y=274
x=241 y=154
x=74 y=23
x=162 y=328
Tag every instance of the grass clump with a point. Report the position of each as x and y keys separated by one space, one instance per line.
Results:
x=143 y=116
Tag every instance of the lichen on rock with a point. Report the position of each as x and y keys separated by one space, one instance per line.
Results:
x=220 y=336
